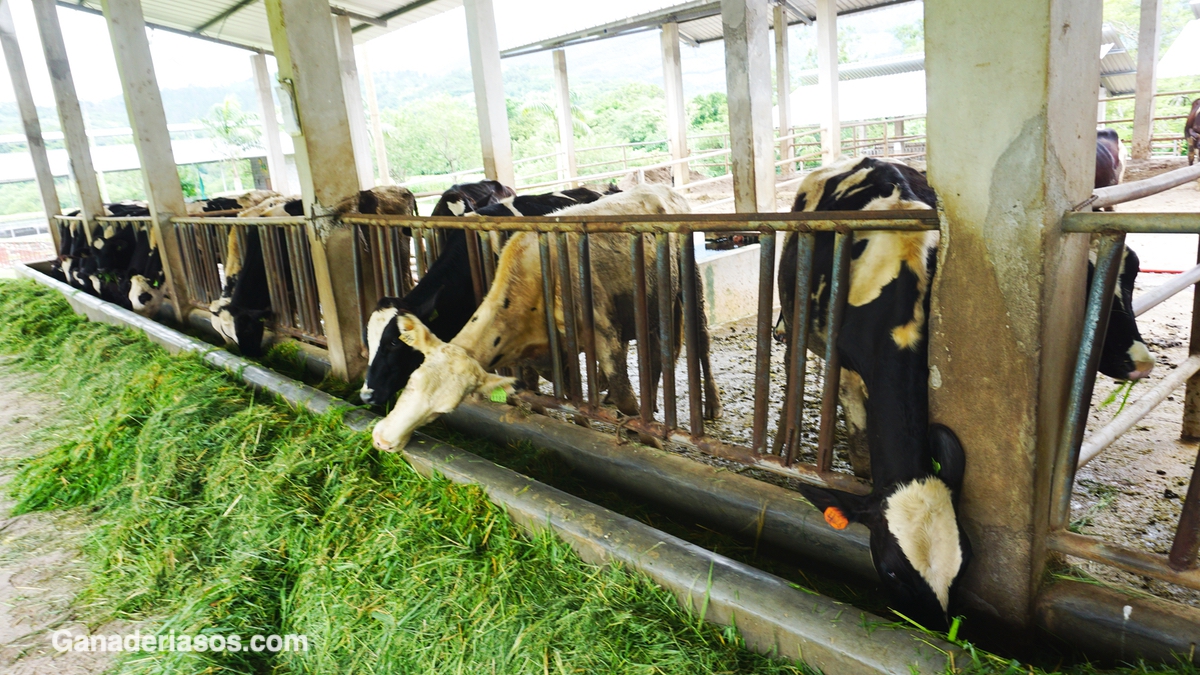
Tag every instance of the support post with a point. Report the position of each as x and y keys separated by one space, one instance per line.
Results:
x=827 y=80
x=143 y=101
x=276 y=166
x=566 y=125
x=677 y=125
x=381 y=160
x=489 y=91
x=29 y=119
x=1149 y=37
x=354 y=102
x=306 y=52
x=1191 y=400
x=1006 y=269
x=748 y=82
x=783 y=87
x=70 y=115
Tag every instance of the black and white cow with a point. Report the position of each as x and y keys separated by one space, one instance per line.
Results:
x=146 y=285
x=245 y=302
x=466 y=197
x=444 y=298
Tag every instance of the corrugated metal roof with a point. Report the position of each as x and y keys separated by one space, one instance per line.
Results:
x=909 y=63
x=1118 y=72
x=699 y=22
x=243 y=23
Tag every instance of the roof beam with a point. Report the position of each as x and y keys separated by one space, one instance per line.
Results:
x=340 y=11
x=178 y=31
x=388 y=16
x=224 y=14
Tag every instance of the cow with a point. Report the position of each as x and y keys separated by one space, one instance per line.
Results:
x=1191 y=132
x=1110 y=160
x=465 y=197
x=509 y=328
x=444 y=298
x=917 y=545
x=145 y=287
x=239 y=203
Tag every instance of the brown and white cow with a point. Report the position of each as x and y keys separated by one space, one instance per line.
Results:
x=509 y=327
x=1191 y=132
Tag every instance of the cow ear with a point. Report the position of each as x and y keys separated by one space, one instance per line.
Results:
x=415 y=334
x=840 y=508
x=950 y=461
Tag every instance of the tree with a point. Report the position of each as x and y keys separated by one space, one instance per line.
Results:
x=433 y=136
x=709 y=109
x=911 y=36
x=234 y=131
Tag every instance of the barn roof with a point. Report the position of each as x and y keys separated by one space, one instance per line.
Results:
x=699 y=22
x=243 y=23
x=1118 y=72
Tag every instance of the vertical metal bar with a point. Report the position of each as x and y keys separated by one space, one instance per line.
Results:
x=489 y=259
x=642 y=321
x=364 y=305
x=310 y=278
x=587 y=322
x=419 y=239
x=372 y=233
x=691 y=331
x=551 y=324
x=1191 y=399
x=798 y=346
x=1187 y=536
x=1095 y=323
x=839 y=286
x=475 y=260
x=276 y=286
x=762 y=357
x=565 y=289
x=393 y=270
x=298 y=277
x=666 y=325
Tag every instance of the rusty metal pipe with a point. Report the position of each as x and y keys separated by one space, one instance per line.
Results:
x=762 y=354
x=1123 y=558
x=476 y=262
x=838 y=290
x=642 y=325
x=691 y=332
x=551 y=324
x=565 y=294
x=1187 y=535
x=666 y=326
x=798 y=347
x=489 y=259
x=587 y=322
x=419 y=240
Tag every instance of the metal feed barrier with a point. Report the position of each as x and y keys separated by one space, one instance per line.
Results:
x=1180 y=565
x=565 y=245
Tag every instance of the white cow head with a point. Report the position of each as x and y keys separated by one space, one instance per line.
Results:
x=447 y=376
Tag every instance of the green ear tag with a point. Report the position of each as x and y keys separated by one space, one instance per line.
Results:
x=937 y=468
x=499 y=395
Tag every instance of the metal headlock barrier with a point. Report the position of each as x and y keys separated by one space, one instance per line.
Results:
x=295 y=309
x=1180 y=565
x=565 y=254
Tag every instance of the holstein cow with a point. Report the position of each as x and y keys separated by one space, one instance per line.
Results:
x=145 y=287
x=465 y=197
x=444 y=298
x=1191 y=131
x=1110 y=160
x=509 y=327
x=917 y=546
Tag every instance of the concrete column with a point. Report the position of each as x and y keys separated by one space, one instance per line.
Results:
x=783 y=86
x=489 y=91
x=381 y=160
x=827 y=80
x=1008 y=297
x=1149 y=37
x=143 y=102
x=566 y=126
x=70 y=115
x=354 y=101
x=306 y=52
x=29 y=118
x=677 y=124
x=276 y=165
x=748 y=83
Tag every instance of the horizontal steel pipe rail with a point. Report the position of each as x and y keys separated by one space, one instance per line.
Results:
x=1153 y=297
x=209 y=220
x=1099 y=222
x=1125 y=192
x=1135 y=562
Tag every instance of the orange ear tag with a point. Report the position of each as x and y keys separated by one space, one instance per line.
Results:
x=836 y=519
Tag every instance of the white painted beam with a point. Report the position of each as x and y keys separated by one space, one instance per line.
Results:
x=143 y=101
x=748 y=86
x=276 y=165
x=1149 y=37
x=489 y=91
x=381 y=160
x=677 y=125
x=29 y=118
x=827 y=80
x=70 y=115
x=783 y=86
x=354 y=102
x=309 y=72
x=566 y=123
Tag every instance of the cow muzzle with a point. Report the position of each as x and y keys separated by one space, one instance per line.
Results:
x=1143 y=362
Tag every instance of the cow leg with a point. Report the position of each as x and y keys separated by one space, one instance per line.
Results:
x=611 y=357
x=712 y=395
x=853 y=395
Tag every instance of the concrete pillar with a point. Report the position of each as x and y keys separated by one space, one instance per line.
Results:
x=677 y=123
x=143 y=102
x=70 y=115
x=1149 y=37
x=276 y=166
x=748 y=84
x=783 y=86
x=29 y=118
x=381 y=160
x=309 y=74
x=827 y=80
x=354 y=101
x=1006 y=271
x=566 y=126
x=489 y=91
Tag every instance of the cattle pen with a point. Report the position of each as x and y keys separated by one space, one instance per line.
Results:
x=1014 y=339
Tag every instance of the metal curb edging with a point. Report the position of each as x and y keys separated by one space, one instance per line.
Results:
x=771 y=615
